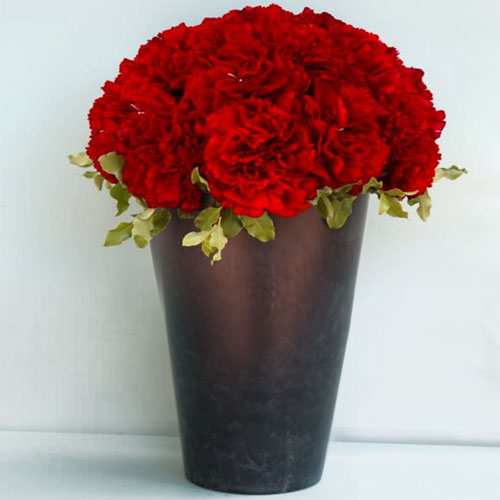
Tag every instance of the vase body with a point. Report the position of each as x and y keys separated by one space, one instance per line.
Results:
x=257 y=343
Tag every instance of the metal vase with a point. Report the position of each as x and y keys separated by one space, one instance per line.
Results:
x=257 y=344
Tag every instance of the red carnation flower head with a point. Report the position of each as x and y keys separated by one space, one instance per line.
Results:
x=260 y=156
x=270 y=106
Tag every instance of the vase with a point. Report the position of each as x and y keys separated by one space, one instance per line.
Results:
x=257 y=344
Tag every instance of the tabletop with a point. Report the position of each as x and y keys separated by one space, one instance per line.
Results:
x=72 y=466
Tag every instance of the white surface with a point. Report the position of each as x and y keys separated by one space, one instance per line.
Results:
x=82 y=344
x=35 y=466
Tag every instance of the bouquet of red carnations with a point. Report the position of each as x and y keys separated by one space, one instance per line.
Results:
x=261 y=113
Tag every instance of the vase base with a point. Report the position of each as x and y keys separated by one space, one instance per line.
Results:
x=255 y=489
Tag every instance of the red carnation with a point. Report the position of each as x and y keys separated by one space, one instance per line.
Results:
x=270 y=106
x=260 y=157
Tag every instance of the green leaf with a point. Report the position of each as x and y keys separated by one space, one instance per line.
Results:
x=146 y=214
x=142 y=229
x=212 y=240
x=120 y=193
x=326 y=191
x=372 y=186
x=424 y=205
x=341 y=210
x=195 y=238
x=345 y=189
x=98 y=181
x=140 y=202
x=324 y=206
x=206 y=248
x=140 y=241
x=185 y=215
x=231 y=224
x=261 y=228
x=161 y=218
x=391 y=205
x=207 y=218
x=98 y=178
x=451 y=173
x=80 y=160
x=112 y=163
x=119 y=234
x=395 y=192
x=335 y=206
x=198 y=180
x=218 y=241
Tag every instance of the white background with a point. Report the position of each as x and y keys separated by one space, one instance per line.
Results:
x=82 y=343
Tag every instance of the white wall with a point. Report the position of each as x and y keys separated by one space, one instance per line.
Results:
x=82 y=340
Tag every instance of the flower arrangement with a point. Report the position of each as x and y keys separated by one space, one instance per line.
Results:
x=261 y=113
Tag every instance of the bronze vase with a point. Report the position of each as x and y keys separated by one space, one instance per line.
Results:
x=257 y=343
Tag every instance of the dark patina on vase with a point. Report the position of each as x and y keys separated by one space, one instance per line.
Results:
x=257 y=343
